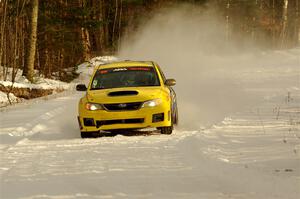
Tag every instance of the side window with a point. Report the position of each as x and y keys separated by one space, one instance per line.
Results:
x=161 y=73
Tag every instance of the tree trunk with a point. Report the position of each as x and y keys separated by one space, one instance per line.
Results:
x=297 y=21
x=101 y=40
x=120 y=25
x=85 y=36
x=273 y=25
x=3 y=24
x=227 y=20
x=86 y=44
x=284 y=21
x=31 y=49
x=115 y=25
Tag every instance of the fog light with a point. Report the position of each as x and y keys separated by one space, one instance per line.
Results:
x=88 y=122
x=158 y=117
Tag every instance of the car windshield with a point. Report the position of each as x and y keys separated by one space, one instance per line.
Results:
x=125 y=77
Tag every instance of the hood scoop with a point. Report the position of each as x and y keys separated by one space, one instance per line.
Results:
x=122 y=93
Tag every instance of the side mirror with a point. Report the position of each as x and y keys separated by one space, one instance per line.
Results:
x=81 y=87
x=170 y=82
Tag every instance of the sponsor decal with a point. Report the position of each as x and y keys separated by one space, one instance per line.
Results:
x=140 y=68
x=103 y=71
x=119 y=69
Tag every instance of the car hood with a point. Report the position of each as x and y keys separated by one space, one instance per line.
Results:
x=125 y=95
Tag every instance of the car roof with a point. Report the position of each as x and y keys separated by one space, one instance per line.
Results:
x=126 y=63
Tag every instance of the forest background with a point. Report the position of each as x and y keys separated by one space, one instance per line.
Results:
x=54 y=36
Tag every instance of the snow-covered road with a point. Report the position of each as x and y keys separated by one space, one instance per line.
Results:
x=253 y=152
x=249 y=155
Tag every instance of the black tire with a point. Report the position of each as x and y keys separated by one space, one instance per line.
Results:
x=90 y=134
x=167 y=130
x=85 y=134
x=175 y=118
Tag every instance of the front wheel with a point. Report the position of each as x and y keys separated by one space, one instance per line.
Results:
x=166 y=130
x=90 y=134
x=85 y=134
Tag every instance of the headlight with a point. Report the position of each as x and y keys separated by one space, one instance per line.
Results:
x=152 y=103
x=93 y=106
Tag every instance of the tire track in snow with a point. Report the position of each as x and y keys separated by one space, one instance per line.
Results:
x=36 y=121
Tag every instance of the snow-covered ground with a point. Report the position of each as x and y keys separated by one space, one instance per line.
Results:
x=22 y=82
x=251 y=153
x=85 y=70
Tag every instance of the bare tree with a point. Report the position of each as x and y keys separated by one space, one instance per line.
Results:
x=115 y=22
x=31 y=49
x=120 y=24
x=2 y=28
x=227 y=20
x=298 y=20
x=85 y=36
x=284 y=21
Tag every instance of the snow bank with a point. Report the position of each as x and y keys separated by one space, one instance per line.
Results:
x=88 y=67
x=4 y=100
x=85 y=70
x=42 y=83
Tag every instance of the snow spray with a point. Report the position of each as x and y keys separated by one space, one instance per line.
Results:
x=191 y=45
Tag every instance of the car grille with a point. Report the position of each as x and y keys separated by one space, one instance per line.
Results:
x=120 y=121
x=123 y=106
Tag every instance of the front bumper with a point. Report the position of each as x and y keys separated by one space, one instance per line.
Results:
x=149 y=117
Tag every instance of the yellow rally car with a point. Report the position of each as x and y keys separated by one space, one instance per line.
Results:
x=127 y=95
